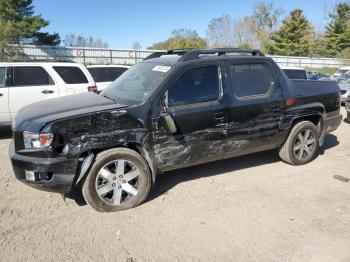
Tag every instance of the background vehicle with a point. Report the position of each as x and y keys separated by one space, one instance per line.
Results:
x=341 y=74
x=104 y=75
x=173 y=110
x=294 y=72
x=347 y=107
x=344 y=89
x=24 y=83
x=317 y=76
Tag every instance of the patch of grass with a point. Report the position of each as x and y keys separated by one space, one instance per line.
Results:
x=324 y=70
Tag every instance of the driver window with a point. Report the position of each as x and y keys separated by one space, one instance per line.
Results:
x=195 y=86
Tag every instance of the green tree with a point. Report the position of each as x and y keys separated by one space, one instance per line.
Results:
x=181 y=39
x=7 y=36
x=295 y=37
x=337 y=33
x=27 y=25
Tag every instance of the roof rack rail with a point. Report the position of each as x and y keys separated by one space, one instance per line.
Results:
x=168 y=52
x=191 y=54
x=195 y=53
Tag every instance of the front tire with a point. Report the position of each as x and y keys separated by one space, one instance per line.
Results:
x=119 y=179
x=301 y=146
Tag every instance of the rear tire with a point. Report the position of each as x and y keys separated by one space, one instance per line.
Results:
x=119 y=179
x=301 y=146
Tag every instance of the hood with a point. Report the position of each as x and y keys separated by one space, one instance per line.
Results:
x=35 y=116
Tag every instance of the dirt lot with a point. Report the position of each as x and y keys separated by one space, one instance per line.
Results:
x=252 y=208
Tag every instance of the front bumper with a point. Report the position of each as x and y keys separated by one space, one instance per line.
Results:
x=50 y=174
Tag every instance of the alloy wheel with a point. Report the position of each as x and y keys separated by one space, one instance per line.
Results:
x=118 y=182
x=304 y=145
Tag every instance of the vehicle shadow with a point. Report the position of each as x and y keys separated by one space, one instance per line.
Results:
x=168 y=180
x=330 y=141
x=5 y=132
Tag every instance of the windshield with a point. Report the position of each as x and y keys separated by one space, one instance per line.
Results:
x=346 y=82
x=341 y=72
x=345 y=85
x=135 y=85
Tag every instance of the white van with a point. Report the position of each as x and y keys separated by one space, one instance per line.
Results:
x=341 y=74
x=104 y=75
x=24 y=83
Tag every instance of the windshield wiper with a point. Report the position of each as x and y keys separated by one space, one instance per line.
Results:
x=108 y=97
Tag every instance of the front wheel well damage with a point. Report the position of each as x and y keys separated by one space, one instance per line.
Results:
x=138 y=148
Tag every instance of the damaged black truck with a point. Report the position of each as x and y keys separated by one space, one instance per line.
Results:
x=173 y=110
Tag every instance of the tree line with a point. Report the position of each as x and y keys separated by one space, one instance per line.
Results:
x=294 y=35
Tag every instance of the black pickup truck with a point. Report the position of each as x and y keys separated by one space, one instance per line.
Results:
x=173 y=110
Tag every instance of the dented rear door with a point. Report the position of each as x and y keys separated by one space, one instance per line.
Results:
x=256 y=108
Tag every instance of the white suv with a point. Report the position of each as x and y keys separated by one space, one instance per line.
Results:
x=104 y=75
x=23 y=83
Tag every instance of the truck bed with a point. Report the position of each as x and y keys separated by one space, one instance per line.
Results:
x=324 y=92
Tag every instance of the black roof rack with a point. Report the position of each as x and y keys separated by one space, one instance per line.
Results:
x=191 y=54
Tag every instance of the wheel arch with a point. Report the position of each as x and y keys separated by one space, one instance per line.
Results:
x=313 y=112
x=88 y=158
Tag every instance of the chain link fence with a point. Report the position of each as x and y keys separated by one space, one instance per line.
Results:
x=131 y=56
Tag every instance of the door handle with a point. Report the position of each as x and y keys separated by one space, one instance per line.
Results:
x=1 y=94
x=46 y=91
x=276 y=109
x=219 y=117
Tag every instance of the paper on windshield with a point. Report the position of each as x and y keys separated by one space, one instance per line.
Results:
x=161 y=68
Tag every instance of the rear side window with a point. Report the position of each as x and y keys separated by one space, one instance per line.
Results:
x=71 y=74
x=106 y=74
x=295 y=74
x=2 y=76
x=195 y=86
x=251 y=79
x=31 y=76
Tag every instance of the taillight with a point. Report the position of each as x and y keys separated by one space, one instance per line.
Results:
x=291 y=102
x=92 y=89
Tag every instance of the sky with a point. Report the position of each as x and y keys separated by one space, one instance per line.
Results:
x=121 y=23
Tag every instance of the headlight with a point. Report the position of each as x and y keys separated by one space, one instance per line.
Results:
x=34 y=140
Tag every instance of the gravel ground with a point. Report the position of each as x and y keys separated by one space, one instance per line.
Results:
x=252 y=208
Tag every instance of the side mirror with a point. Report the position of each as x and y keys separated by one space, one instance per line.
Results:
x=169 y=123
